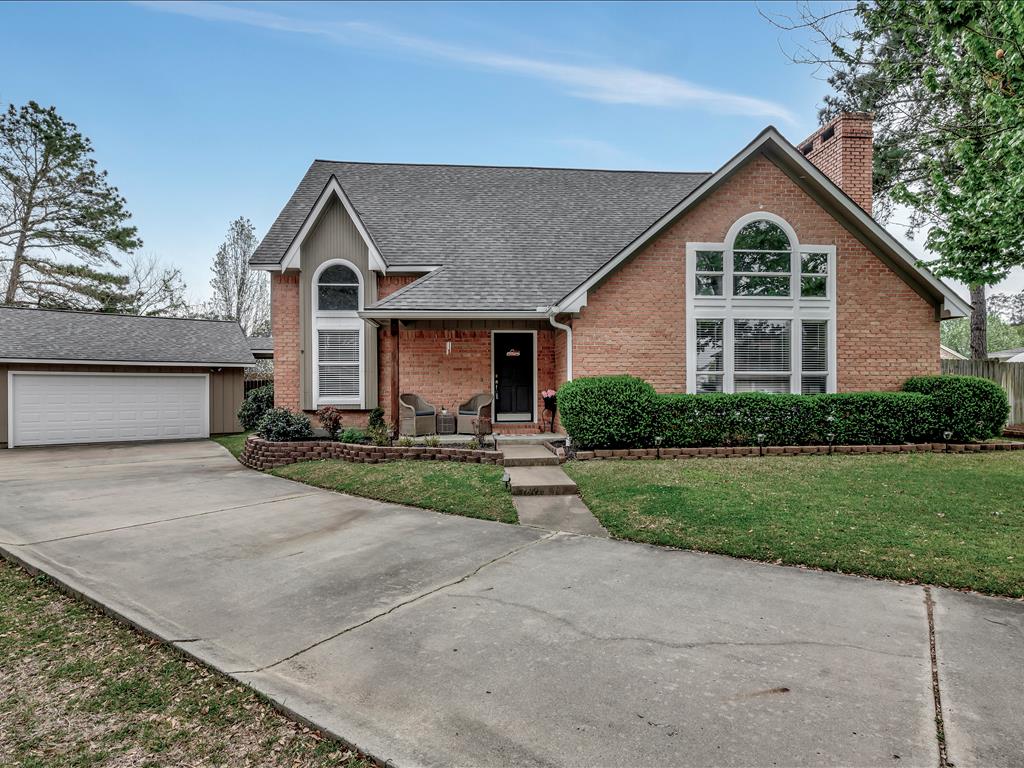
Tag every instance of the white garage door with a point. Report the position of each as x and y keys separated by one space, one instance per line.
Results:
x=48 y=409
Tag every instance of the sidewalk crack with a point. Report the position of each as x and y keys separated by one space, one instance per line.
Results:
x=940 y=727
x=397 y=606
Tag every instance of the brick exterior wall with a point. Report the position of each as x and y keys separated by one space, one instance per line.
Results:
x=842 y=150
x=450 y=378
x=284 y=324
x=634 y=322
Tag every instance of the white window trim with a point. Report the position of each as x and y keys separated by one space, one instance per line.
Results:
x=337 y=320
x=727 y=307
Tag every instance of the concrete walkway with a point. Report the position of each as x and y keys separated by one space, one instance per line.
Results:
x=430 y=639
x=543 y=495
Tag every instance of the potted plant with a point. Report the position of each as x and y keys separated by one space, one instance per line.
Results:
x=550 y=403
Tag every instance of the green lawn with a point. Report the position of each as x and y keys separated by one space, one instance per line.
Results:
x=472 y=490
x=234 y=443
x=952 y=520
x=79 y=689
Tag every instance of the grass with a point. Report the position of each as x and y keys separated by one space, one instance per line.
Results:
x=79 y=689
x=234 y=443
x=951 y=520
x=472 y=490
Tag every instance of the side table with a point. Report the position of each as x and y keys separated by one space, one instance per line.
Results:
x=446 y=423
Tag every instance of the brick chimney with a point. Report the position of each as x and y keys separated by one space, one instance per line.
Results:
x=842 y=151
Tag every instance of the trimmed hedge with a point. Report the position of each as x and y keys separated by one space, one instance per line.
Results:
x=608 y=411
x=869 y=418
x=256 y=403
x=625 y=412
x=970 y=407
x=280 y=425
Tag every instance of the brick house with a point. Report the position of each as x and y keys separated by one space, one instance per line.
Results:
x=447 y=281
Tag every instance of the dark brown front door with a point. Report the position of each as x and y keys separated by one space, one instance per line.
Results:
x=513 y=376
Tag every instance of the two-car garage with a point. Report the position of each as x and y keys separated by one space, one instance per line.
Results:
x=73 y=377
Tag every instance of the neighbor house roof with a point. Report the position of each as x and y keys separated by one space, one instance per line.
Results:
x=261 y=346
x=525 y=240
x=1005 y=354
x=42 y=334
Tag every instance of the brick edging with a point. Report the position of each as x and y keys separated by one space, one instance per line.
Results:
x=791 y=450
x=265 y=454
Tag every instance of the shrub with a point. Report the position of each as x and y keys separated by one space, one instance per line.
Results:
x=970 y=407
x=737 y=419
x=379 y=434
x=406 y=442
x=330 y=419
x=608 y=411
x=352 y=435
x=376 y=418
x=432 y=441
x=256 y=403
x=281 y=425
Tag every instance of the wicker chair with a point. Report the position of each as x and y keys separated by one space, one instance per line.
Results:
x=418 y=416
x=472 y=410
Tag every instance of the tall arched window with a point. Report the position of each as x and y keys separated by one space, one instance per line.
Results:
x=760 y=309
x=337 y=334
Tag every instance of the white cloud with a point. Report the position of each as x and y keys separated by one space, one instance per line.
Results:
x=607 y=84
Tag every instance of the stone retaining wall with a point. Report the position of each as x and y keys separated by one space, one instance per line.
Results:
x=792 y=450
x=264 y=454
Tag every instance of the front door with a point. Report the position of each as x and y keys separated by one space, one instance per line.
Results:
x=513 y=376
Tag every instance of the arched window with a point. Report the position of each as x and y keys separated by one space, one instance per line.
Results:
x=337 y=335
x=337 y=289
x=760 y=311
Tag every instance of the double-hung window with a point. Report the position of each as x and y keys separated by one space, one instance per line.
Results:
x=337 y=335
x=760 y=311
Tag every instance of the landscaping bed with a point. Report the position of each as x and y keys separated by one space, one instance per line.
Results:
x=950 y=520
x=265 y=454
x=80 y=689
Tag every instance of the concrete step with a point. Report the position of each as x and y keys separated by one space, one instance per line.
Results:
x=558 y=513
x=539 y=481
x=528 y=456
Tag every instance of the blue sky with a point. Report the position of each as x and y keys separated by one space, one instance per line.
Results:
x=204 y=112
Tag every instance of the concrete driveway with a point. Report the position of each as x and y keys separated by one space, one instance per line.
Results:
x=428 y=639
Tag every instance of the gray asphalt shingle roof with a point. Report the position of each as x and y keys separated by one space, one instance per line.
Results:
x=507 y=238
x=41 y=334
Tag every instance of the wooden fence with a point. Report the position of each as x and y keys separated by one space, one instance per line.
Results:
x=1010 y=376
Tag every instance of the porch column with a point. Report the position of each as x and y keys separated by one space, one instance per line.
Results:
x=396 y=417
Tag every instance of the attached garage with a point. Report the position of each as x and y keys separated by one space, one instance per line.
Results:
x=70 y=377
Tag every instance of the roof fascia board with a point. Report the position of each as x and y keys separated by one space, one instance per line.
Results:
x=291 y=257
x=770 y=137
x=168 y=363
x=441 y=314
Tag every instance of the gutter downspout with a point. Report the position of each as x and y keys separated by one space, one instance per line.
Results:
x=568 y=342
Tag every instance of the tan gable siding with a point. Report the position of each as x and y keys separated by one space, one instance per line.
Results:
x=335 y=237
x=635 y=323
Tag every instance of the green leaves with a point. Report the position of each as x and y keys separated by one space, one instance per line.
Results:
x=60 y=220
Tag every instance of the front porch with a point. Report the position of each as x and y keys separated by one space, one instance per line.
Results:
x=448 y=362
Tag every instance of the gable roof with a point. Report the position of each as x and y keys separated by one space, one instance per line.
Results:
x=517 y=238
x=508 y=241
x=826 y=193
x=44 y=334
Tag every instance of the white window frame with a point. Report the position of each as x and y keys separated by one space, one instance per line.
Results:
x=336 y=320
x=728 y=307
